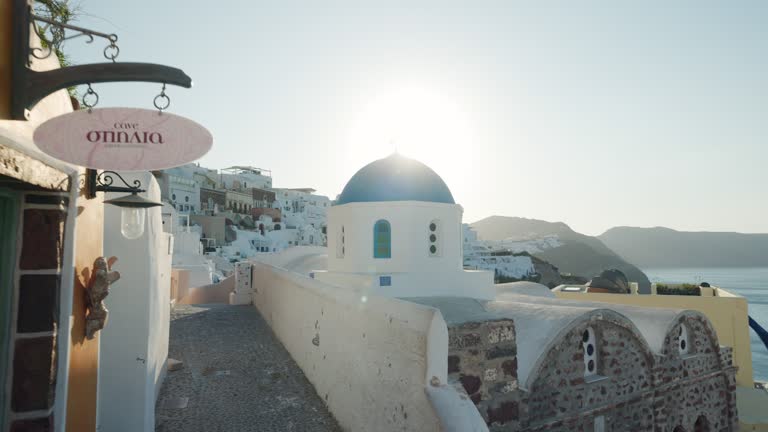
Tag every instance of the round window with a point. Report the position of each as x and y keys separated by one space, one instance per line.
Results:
x=590 y=349
x=432 y=238
x=433 y=249
x=585 y=336
x=683 y=344
x=591 y=366
x=432 y=226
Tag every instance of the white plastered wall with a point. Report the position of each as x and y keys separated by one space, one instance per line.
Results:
x=413 y=271
x=462 y=283
x=409 y=222
x=359 y=353
x=134 y=343
x=188 y=255
x=186 y=191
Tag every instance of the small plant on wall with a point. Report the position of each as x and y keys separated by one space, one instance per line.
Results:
x=680 y=289
x=61 y=11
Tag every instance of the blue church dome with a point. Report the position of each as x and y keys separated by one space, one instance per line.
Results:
x=395 y=178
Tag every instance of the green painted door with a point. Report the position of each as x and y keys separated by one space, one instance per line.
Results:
x=9 y=206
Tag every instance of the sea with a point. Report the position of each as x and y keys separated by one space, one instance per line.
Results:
x=751 y=283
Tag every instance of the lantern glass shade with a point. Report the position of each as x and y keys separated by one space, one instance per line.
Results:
x=133 y=214
x=132 y=222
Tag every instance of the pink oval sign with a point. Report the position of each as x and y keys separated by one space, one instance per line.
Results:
x=123 y=139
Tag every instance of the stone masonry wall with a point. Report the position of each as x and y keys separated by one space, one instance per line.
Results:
x=633 y=388
x=683 y=403
x=700 y=383
x=562 y=399
x=482 y=356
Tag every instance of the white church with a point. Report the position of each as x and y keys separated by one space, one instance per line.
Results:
x=396 y=231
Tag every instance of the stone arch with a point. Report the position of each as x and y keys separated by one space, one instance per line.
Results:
x=702 y=336
x=711 y=397
x=577 y=327
x=560 y=388
x=701 y=424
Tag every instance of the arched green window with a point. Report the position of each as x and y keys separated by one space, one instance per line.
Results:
x=382 y=240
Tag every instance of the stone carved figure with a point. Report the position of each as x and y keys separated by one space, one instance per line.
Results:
x=97 y=291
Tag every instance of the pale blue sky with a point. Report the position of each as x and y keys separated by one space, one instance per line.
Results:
x=596 y=114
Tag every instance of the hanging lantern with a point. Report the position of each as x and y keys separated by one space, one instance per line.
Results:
x=133 y=214
x=134 y=207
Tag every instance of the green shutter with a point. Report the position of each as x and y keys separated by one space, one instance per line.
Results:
x=9 y=208
x=382 y=240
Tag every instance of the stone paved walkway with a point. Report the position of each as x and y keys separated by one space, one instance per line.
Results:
x=237 y=376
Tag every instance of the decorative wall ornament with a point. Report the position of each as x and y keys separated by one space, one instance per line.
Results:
x=97 y=291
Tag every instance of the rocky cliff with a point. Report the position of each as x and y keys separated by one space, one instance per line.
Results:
x=575 y=253
x=664 y=247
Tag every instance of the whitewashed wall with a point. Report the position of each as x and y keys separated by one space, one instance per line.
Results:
x=134 y=343
x=243 y=285
x=461 y=283
x=409 y=222
x=373 y=360
x=200 y=271
x=184 y=192
x=412 y=270
x=188 y=255
x=187 y=242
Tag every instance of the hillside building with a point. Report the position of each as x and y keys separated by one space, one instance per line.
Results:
x=245 y=177
x=302 y=206
x=239 y=201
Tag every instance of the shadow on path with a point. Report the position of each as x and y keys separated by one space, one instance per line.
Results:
x=237 y=377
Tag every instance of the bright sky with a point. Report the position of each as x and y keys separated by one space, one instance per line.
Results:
x=596 y=114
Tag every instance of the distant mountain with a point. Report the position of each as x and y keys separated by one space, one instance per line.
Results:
x=576 y=253
x=664 y=247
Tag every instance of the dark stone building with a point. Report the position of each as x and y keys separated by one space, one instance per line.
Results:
x=537 y=363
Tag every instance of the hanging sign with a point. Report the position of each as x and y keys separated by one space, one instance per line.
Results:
x=123 y=139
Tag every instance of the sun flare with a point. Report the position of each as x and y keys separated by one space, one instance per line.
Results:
x=417 y=122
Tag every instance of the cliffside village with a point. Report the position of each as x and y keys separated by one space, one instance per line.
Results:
x=242 y=197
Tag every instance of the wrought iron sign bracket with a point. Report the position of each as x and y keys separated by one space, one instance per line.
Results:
x=103 y=181
x=29 y=87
